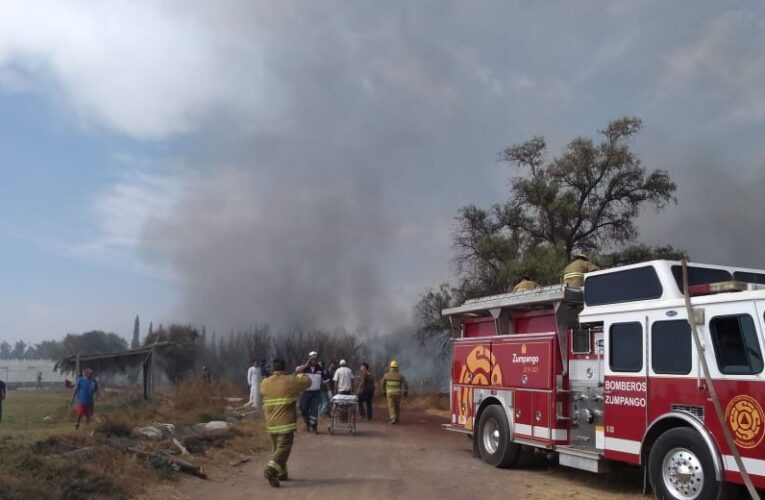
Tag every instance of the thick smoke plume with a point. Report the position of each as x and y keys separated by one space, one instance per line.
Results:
x=327 y=200
x=285 y=254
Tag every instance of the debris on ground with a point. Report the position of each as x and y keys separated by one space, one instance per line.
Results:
x=178 y=445
x=150 y=433
x=239 y=461
x=160 y=458
x=79 y=454
x=214 y=426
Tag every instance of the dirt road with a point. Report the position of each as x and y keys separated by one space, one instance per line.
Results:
x=413 y=460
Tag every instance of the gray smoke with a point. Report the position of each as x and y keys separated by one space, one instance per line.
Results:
x=717 y=219
x=332 y=206
x=289 y=254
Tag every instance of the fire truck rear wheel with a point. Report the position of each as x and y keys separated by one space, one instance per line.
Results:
x=493 y=438
x=680 y=467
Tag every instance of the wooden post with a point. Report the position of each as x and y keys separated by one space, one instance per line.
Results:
x=145 y=373
x=151 y=374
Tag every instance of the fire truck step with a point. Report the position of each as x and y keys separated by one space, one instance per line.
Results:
x=450 y=427
x=581 y=459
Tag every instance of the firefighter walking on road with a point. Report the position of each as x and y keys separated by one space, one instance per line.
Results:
x=394 y=386
x=573 y=274
x=280 y=394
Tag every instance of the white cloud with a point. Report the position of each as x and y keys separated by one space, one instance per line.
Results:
x=120 y=214
x=132 y=67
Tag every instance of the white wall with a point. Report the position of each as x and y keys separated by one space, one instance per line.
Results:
x=24 y=371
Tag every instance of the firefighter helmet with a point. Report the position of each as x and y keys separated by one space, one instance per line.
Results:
x=394 y=364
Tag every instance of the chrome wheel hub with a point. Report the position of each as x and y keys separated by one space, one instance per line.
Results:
x=682 y=473
x=491 y=436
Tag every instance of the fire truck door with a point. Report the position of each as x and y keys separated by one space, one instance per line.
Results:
x=736 y=358
x=625 y=386
x=673 y=367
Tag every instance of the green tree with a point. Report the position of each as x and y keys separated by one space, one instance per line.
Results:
x=428 y=311
x=588 y=198
x=92 y=342
x=640 y=253
x=5 y=350
x=136 y=333
x=49 y=349
x=19 y=349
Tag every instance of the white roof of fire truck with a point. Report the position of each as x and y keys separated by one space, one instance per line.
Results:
x=656 y=283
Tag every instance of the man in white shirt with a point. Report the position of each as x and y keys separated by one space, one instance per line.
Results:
x=253 y=379
x=343 y=379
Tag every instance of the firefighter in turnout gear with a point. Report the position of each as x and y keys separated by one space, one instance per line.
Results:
x=394 y=386
x=280 y=394
x=526 y=283
x=573 y=274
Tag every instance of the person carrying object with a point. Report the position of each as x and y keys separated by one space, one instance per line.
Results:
x=311 y=398
x=280 y=392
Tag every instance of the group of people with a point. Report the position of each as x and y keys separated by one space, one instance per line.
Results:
x=282 y=393
x=572 y=275
x=335 y=379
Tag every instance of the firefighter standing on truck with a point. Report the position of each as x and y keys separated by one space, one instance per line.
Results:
x=394 y=386
x=280 y=394
x=573 y=274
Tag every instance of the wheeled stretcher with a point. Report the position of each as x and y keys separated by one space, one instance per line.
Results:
x=343 y=413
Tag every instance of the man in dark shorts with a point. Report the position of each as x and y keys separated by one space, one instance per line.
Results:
x=85 y=395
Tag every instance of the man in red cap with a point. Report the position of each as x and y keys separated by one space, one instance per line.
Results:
x=85 y=394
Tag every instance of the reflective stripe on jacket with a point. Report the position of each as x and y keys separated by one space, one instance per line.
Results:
x=573 y=274
x=394 y=384
x=280 y=393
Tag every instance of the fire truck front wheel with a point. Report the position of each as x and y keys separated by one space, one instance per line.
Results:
x=493 y=438
x=681 y=468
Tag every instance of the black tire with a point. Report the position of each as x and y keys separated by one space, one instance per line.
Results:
x=683 y=447
x=504 y=453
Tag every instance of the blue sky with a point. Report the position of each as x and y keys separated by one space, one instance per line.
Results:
x=301 y=163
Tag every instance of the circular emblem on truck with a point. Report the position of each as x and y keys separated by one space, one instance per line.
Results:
x=745 y=417
x=480 y=368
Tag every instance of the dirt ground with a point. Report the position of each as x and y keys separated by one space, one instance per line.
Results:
x=416 y=459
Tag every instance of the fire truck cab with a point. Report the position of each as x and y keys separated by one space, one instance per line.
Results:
x=611 y=372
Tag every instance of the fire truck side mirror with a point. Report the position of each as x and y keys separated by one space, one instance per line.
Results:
x=698 y=316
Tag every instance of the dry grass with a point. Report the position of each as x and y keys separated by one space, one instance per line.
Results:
x=39 y=471
x=31 y=465
x=432 y=404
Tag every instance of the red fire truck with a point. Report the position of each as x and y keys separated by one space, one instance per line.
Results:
x=611 y=372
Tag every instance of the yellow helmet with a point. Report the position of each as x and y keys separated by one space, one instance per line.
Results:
x=394 y=364
x=581 y=255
